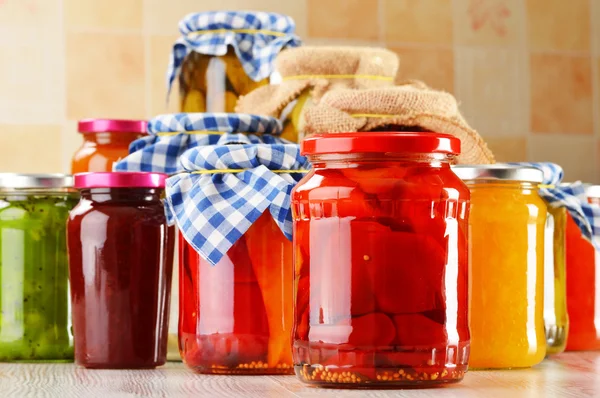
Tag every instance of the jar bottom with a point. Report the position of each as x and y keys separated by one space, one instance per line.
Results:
x=556 y=339
x=328 y=365
x=118 y=366
x=248 y=369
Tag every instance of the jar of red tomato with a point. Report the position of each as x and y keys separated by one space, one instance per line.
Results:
x=120 y=262
x=380 y=261
x=583 y=283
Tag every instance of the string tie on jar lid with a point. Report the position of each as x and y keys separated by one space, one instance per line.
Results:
x=224 y=189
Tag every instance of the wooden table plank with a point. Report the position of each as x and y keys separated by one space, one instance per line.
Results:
x=566 y=375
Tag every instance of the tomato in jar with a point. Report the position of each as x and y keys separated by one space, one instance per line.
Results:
x=120 y=264
x=380 y=261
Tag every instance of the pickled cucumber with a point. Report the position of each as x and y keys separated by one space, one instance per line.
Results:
x=35 y=320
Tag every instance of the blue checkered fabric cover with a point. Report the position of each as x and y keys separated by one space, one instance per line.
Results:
x=570 y=196
x=158 y=152
x=214 y=210
x=256 y=37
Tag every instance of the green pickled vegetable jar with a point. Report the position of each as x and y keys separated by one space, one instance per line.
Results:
x=35 y=319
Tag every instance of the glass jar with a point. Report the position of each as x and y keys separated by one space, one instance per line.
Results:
x=555 y=281
x=121 y=260
x=236 y=317
x=105 y=142
x=211 y=83
x=35 y=323
x=380 y=261
x=506 y=249
x=583 y=285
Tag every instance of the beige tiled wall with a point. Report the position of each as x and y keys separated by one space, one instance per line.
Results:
x=527 y=72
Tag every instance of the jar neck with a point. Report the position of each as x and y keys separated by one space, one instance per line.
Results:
x=108 y=138
x=122 y=195
x=346 y=160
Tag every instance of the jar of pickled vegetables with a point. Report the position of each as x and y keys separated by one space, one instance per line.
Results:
x=105 y=141
x=236 y=317
x=555 y=281
x=583 y=284
x=223 y=55
x=506 y=248
x=121 y=260
x=380 y=248
x=35 y=323
x=236 y=277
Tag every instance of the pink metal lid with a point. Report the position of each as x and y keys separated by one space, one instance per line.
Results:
x=124 y=179
x=111 y=126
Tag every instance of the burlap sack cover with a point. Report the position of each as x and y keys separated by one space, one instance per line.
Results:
x=321 y=69
x=410 y=104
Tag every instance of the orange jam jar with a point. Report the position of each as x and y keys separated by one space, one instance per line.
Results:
x=235 y=317
x=506 y=248
x=583 y=285
x=380 y=261
x=105 y=141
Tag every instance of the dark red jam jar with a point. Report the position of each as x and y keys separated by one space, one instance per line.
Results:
x=120 y=263
x=380 y=261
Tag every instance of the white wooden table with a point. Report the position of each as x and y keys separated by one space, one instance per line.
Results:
x=567 y=375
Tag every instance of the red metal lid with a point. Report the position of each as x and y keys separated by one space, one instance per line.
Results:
x=111 y=126
x=124 y=179
x=385 y=142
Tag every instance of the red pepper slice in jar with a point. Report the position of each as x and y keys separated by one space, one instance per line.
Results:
x=271 y=255
x=405 y=269
x=414 y=330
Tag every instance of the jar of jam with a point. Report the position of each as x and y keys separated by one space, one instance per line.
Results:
x=235 y=317
x=35 y=322
x=380 y=249
x=120 y=259
x=105 y=141
x=506 y=249
x=555 y=281
x=583 y=284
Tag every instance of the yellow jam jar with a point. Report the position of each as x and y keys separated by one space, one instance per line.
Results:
x=506 y=249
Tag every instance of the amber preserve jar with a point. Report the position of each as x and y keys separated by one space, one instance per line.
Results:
x=380 y=261
x=105 y=141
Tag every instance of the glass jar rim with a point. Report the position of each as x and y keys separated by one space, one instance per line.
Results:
x=380 y=142
x=35 y=181
x=496 y=172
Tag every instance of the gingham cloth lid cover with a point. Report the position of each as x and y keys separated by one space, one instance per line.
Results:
x=570 y=196
x=256 y=37
x=169 y=136
x=224 y=189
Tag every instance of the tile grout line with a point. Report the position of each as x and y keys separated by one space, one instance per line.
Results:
x=595 y=70
x=64 y=125
x=381 y=22
x=526 y=54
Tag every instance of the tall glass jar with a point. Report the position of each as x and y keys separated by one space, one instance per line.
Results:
x=380 y=261
x=506 y=249
x=120 y=261
x=555 y=281
x=105 y=141
x=583 y=285
x=236 y=317
x=35 y=323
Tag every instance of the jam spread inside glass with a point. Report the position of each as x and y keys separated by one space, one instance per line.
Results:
x=120 y=258
x=380 y=271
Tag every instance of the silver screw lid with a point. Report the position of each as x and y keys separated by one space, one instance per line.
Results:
x=501 y=172
x=33 y=181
